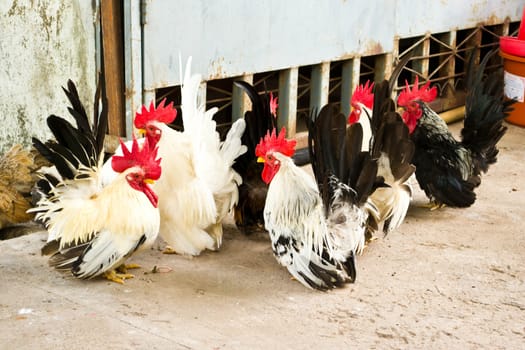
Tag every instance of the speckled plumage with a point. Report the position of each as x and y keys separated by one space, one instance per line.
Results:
x=449 y=170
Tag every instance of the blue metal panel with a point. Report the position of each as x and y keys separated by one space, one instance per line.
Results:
x=415 y=18
x=234 y=37
x=238 y=38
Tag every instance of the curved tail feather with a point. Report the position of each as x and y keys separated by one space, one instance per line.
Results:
x=393 y=148
x=486 y=107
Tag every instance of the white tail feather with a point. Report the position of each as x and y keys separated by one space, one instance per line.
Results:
x=232 y=146
x=203 y=186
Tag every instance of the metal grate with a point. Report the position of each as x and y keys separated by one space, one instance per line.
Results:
x=441 y=58
x=438 y=57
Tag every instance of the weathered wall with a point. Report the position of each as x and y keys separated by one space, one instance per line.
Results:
x=42 y=44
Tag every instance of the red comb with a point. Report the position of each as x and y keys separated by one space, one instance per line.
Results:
x=424 y=94
x=160 y=114
x=273 y=142
x=363 y=94
x=143 y=157
x=273 y=105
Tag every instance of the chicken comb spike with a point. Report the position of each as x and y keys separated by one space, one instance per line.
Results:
x=162 y=114
x=424 y=93
x=273 y=105
x=274 y=142
x=363 y=94
x=144 y=157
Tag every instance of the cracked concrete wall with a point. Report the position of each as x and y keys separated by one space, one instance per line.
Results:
x=43 y=43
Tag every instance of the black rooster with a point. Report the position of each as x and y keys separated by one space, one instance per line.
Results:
x=252 y=192
x=446 y=169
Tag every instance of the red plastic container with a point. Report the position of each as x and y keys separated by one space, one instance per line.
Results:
x=513 y=52
x=514 y=67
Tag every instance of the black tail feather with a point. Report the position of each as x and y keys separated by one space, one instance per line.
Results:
x=258 y=121
x=100 y=121
x=486 y=107
x=325 y=139
x=77 y=108
x=57 y=155
x=390 y=133
x=335 y=150
x=331 y=278
x=66 y=258
x=80 y=145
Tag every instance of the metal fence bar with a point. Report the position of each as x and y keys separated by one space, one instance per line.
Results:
x=422 y=64
x=451 y=66
x=319 y=85
x=349 y=81
x=201 y=94
x=287 y=111
x=383 y=67
x=240 y=101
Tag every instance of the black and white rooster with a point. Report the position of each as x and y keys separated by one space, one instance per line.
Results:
x=446 y=169
x=93 y=228
x=317 y=230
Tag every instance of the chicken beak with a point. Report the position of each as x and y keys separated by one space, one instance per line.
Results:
x=260 y=160
x=149 y=181
x=142 y=132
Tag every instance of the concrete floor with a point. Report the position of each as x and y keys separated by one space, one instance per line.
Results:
x=452 y=278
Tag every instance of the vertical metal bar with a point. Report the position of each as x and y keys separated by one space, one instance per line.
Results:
x=505 y=27
x=349 y=81
x=201 y=94
x=423 y=51
x=395 y=49
x=240 y=101
x=476 y=42
x=451 y=66
x=383 y=67
x=395 y=60
x=132 y=61
x=287 y=111
x=319 y=85
x=148 y=96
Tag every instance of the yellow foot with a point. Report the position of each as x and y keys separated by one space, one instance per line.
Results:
x=433 y=205
x=125 y=267
x=112 y=275
x=372 y=238
x=169 y=250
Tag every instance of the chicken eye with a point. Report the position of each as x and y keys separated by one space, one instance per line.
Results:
x=270 y=157
x=132 y=177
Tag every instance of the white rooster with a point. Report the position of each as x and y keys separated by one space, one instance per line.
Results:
x=199 y=186
x=93 y=229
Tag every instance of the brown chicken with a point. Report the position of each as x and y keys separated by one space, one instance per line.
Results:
x=17 y=176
